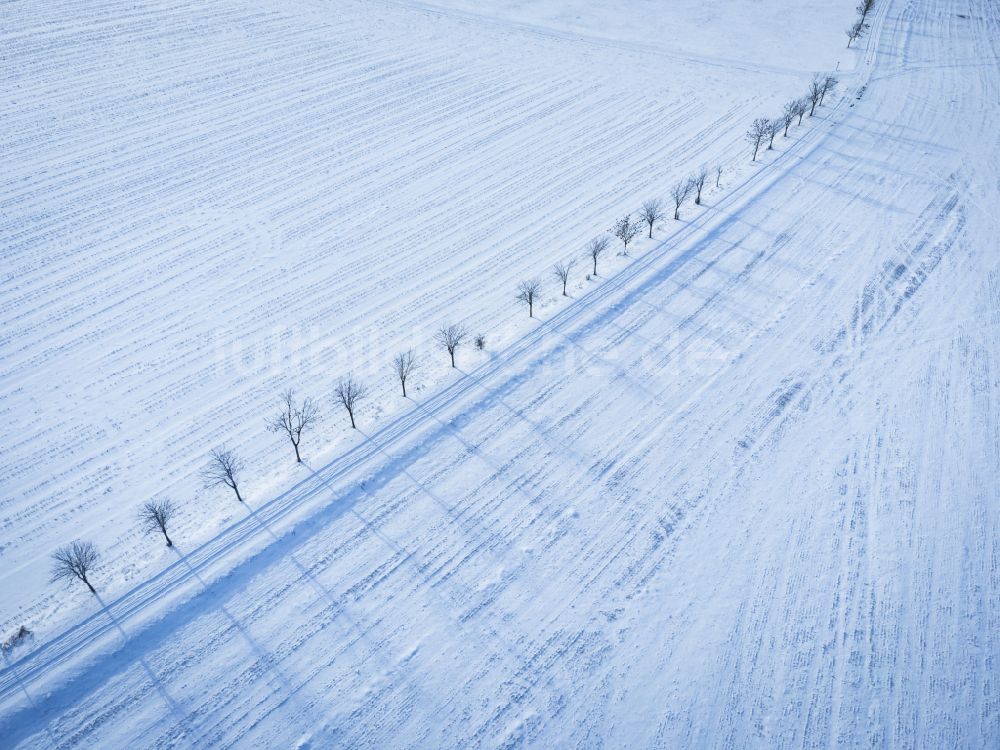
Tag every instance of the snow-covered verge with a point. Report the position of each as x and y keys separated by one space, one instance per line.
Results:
x=741 y=493
x=204 y=204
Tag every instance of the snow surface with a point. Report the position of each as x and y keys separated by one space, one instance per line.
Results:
x=738 y=491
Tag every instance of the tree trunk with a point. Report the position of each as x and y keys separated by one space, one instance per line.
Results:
x=786 y=127
x=298 y=458
x=238 y=496
x=770 y=143
x=755 y=147
x=403 y=383
x=800 y=116
x=169 y=543
x=813 y=108
x=92 y=589
x=564 y=288
x=677 y=213
x=697 y=198
x=531 y=306
x=650 y=230
x=350 y=413
x=452 y=353
x=595 y=266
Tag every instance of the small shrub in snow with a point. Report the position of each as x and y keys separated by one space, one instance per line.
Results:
x=15 y=640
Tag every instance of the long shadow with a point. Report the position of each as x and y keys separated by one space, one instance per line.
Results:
x=31 y=701
x=184 y=720
x=264 y=656
x=451 y=511
x=339 y=609
x=450 y=605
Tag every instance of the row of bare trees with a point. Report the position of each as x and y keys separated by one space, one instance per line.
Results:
x=294 y=417
x=765 y=129
x=857 y=29
x=625 y=229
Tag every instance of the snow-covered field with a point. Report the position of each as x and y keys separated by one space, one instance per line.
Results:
x=738 y=491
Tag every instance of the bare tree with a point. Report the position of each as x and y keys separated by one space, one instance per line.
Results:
x=758 y=132
x=697 y=183
x=349 y=392
x=404 y=364
x=652 y=212
x=801 y=107
x=224 y=467
x=787 y=115
x=680 y=193
x=527 y=292
x=596 y=248
x=451 y=337
x=626 y=229
x=155 y=515
x=815 y=92
x=864 y=7
x=829 y=84
x=561 y=272
x=75 y=560
x=773 y=128
x=853 y=32
x=480 y=341
x=718 y=174
x=294 y=419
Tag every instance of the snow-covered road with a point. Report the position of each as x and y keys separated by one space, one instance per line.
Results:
x=742 y=494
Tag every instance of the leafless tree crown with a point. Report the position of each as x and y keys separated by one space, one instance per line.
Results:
x=829 y=84
x=527 y=292
x=349 y=392
x=294 y=418
x=596 y=248
x=773 y=128
x=561 y=272
x=680 y=193
x=758 y=132
x=651 y=212
x=788 y=114
x=698 y=184
x=155 y=515
x=451 y=337
x=224 y=467
x=815 y=92
x=625 y=229
x=403 y=364
x=801 y=107
x=75 y=560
